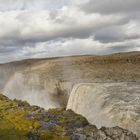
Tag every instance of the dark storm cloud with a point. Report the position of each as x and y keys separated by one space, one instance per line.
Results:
x=110 y=34
x=4 y=50
x=112 y=6
x=122 y=48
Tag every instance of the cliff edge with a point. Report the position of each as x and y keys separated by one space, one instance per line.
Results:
x=20 y=121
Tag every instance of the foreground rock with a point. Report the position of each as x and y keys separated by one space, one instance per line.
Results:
x=20 y=121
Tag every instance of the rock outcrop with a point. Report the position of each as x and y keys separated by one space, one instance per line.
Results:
x=55 y=77
x=48 y=83
x=20 y=121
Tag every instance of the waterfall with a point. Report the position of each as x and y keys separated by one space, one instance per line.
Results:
x=108 y=104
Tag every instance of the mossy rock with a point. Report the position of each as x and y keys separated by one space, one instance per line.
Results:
x=3 y=98
x=52 y=136
x=8 y=131
x=20 y=121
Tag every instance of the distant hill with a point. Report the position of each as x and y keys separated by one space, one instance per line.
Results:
x=120 y=66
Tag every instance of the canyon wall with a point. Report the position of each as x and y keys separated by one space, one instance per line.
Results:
x=113 y=98
x=44 y=93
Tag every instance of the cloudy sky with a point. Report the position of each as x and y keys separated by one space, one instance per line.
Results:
x=48 y=28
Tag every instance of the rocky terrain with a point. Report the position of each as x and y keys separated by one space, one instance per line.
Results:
x=20 y=121
x=111 y=100
x=55 y=77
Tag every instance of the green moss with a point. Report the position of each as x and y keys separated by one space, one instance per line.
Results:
x=37 y=125
x=46 y=119
x=16 y=125
x=52 y=136
x=2 y=97
x=7 y=105
x=20 y=121
x=5 y=124
x=59 y=129
x=55 y=111
x=70 y=118
x=16 y=117
x=8 y=131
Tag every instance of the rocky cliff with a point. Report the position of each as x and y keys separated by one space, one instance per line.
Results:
x=48 y=83
x=54 y=78
x=20 y=121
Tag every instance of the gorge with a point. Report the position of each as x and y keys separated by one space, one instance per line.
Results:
x=104 y=89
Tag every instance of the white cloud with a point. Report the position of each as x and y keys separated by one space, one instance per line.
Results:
x=60 y=27
x=19 y=5
x=132 y=29
x=39 y=25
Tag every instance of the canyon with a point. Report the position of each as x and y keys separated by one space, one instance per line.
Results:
x=104 y=89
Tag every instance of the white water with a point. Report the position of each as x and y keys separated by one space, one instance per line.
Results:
x=108 y=104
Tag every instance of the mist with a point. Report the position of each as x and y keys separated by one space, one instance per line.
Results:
x=17 y=88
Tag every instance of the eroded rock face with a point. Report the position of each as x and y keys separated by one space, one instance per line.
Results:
x=115 y=133
x=57 y=76
x=48 y=83
x=44 y=93
x=19 y=120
